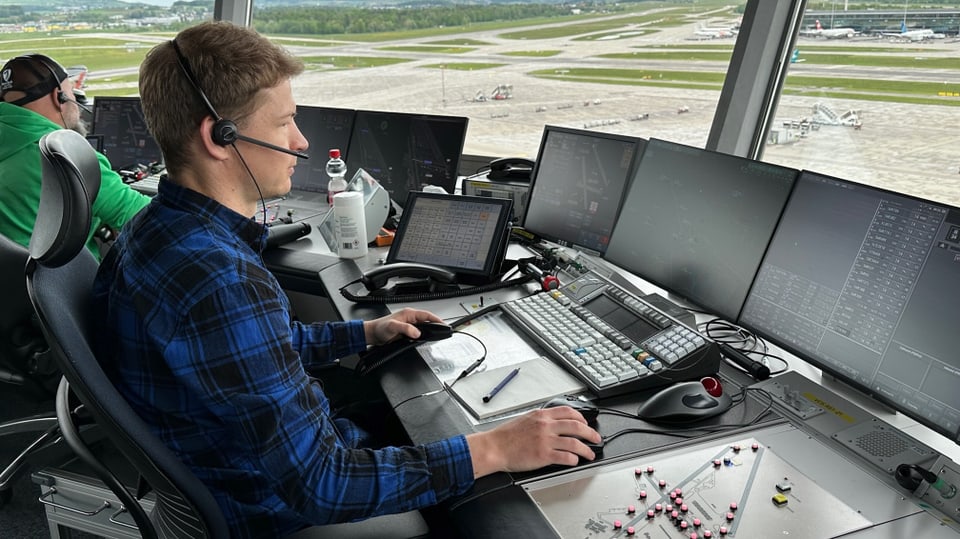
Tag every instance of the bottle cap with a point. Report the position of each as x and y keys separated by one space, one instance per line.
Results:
x=334 y=153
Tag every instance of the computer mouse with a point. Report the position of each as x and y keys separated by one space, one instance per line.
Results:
x=685 y=402
x=433 y=331
x=587 y=409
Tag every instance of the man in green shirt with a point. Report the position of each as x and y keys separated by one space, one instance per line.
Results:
x=36 y=97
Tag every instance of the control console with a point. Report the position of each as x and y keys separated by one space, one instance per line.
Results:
x=612 y=340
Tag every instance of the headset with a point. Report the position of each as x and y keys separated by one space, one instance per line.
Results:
x=55 y=79
x=225 y=132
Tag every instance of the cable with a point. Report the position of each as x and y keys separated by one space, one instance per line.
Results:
x=263 y=204
x=427 y=394
x=472 y=367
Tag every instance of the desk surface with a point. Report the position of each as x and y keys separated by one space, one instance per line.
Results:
x=538 y=503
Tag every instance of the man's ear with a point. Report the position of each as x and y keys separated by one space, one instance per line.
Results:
x=213 y=149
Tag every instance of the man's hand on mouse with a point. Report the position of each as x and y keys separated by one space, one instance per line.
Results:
x=400 y=323
x=539 y=438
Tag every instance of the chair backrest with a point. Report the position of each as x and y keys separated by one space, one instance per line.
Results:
x=60 y=274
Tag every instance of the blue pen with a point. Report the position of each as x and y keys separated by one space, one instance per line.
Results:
x=504 y=382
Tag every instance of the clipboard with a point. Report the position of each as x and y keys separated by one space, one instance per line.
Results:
x=539 y=380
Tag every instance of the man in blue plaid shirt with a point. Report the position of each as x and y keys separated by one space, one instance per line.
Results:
x=198 y=335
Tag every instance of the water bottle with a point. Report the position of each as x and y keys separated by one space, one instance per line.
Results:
x=337 y=171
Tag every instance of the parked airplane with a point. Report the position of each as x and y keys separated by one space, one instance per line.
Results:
x=829 y=33
x=713 y=33
x=919 y=34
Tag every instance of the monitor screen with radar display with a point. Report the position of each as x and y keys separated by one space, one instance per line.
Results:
x=405 y=151
x=578 y=185
x=697 y=222
x=324 y=128
x=127 y=142
x=465 y=234
x=863 y=283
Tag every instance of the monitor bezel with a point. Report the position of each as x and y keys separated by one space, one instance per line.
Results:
x=639 y=146
x=682 y=295
x=319 y=155
x=827 y=369
x=496 y=253
x=98 y=102
x=450 y=185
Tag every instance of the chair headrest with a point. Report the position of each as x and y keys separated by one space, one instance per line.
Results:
x=70 y=183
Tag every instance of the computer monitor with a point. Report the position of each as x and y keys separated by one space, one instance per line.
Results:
x=324 y=128
x=863 y=283
x=578 y=184
x=126 y=140
x=697 y=223
x=405 y=152
x=465 y=234
x=96 y=142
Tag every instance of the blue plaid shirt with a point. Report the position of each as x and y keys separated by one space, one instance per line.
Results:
x=198 y=336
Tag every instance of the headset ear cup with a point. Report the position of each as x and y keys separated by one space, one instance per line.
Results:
x=61 y=97
x=224 y=132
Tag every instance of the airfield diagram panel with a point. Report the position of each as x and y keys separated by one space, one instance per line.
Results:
x=774 y=482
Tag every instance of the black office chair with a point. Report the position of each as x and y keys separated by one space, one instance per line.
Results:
x=60 y=273
x=25 y=362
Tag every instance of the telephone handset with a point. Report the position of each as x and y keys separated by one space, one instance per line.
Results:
x=376 y=278
x=511 y=168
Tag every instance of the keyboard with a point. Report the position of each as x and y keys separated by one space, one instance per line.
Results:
x=611 y=340
x=147 y=185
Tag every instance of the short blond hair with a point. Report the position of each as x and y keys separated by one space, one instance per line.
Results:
x=231 y=64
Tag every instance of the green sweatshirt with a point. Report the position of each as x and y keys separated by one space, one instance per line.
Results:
x=20 y=133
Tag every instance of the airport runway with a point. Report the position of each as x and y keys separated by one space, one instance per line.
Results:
x=909 y=148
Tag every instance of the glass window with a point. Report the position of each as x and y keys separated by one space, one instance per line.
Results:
x=643 y=69
x=873 y=95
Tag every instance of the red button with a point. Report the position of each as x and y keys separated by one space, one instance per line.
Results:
x=617 y=524
x=643 y=494
x=631 y=509
x=630 y=530
x=697 y=522
x=733 y=506
x=729 y=517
